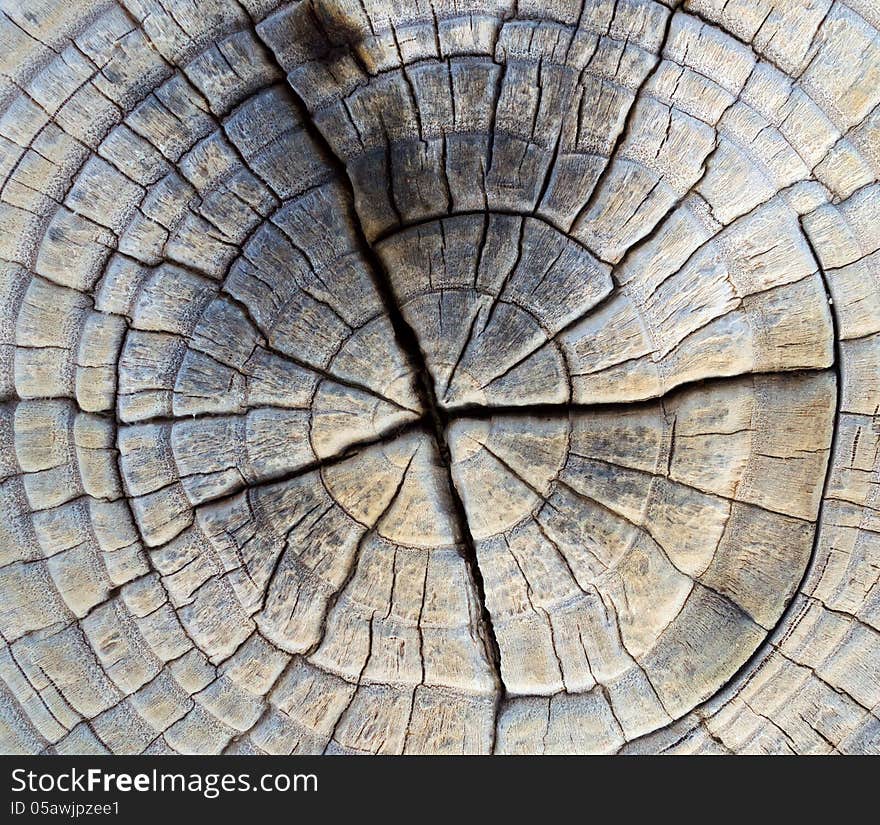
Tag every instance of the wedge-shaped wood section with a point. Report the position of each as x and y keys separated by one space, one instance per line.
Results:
x=355 y=570
x=642 y=555
x=439 y=377
x=484 y=293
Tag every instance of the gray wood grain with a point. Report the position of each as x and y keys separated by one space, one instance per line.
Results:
x=451 y=377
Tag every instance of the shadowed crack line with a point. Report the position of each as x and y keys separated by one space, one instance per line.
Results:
x=435 y=418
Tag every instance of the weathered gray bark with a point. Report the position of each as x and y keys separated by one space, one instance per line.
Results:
x=440 y=377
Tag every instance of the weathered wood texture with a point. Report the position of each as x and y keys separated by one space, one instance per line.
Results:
x=458 y=376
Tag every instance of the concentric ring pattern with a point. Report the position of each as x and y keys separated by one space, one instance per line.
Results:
x=461 y=376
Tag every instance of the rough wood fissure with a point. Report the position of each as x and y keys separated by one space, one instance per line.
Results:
x=449 y=376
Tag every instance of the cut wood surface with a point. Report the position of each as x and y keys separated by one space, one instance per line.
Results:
x=465 y=376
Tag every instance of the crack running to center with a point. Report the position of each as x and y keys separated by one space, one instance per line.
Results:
x=434 y=419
